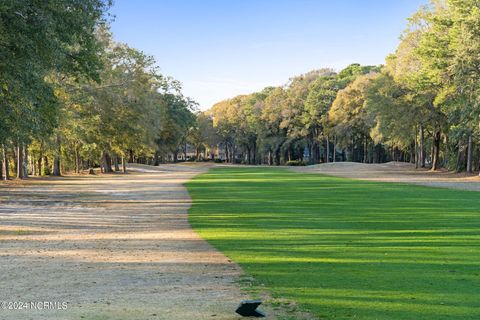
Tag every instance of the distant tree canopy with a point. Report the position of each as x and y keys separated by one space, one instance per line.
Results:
x=293 y=122
x=72 y=98
x=422 y=106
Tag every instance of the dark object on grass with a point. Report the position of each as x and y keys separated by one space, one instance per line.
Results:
x=248 y=308
x=91 y=171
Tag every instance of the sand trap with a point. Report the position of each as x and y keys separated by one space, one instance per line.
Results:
x=395 y=172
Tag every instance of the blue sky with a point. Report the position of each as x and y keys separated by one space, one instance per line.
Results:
x=219 y=49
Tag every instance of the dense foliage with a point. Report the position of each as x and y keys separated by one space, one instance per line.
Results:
x=421 y=106
x=71 y=98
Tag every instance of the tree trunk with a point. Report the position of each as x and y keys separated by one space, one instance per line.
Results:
x=22 y=167
x=460 y=165
x=39 y=166
x=33 y=165
x=124 y=166
x=315 y=154
x=432 y=151
x=469 y=154
x=19 y=153
x=436 y=150
x=327 y=158
x=422 y=147
x=46 y=165
x=56 y=166
x=117 y=167
x=353 y=149
x=5 y=164
x=56 y=160
x=77 y=160
x=378 y=153
x=107 y=163
x=130 y=156
x=417 y=152
x=39 y=161
x=334 y=148
x=25 y=161
x=365 y=150
x=277 y=156
x=413 y=148
x=14 y=152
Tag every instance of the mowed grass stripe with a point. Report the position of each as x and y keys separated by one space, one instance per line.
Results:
x=346 y=249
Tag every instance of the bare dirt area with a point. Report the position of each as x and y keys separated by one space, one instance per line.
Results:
x=113 y=247
x=395 y=172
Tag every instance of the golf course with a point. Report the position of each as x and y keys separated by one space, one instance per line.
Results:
x=224 y=160
x=343 y=248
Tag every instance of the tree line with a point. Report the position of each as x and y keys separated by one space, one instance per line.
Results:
x=421 y=106
x=71 y=98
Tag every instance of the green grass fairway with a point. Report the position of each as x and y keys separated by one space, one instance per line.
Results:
x=346 y=249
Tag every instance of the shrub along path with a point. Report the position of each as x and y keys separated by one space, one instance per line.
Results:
x=346 y=249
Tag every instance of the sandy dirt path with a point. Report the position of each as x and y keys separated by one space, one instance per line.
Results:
x=395 y=172
x=113 y=247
